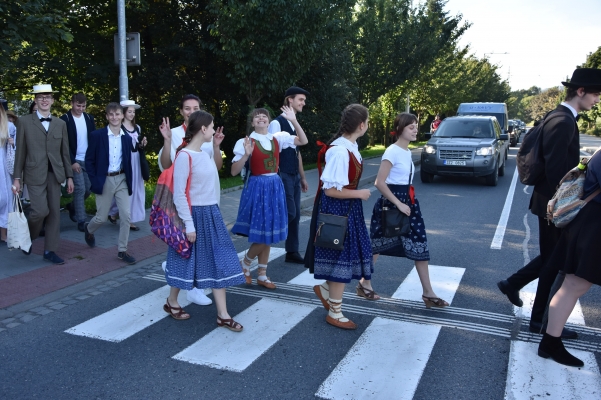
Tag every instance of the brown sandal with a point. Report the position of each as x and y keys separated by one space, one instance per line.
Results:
x=179 y=313
x=367 y=293
x=434 y=302
x=229 y=324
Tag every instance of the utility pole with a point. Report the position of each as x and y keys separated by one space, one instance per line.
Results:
x=123 y=83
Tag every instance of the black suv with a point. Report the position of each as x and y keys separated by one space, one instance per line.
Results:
x=465 y=146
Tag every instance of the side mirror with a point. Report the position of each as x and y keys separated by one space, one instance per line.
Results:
x=427 y=135
x=504 y=136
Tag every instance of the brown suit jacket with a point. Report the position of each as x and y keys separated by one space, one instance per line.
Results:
x=36 y=147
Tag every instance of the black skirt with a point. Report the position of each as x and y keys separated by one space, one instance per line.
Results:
x=578 y=251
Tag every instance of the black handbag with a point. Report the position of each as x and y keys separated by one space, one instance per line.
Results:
x=394 y=222
x=331 y=229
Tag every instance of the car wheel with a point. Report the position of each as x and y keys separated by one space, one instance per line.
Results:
x=493 y=179
x=502 y=170
x=426 y=177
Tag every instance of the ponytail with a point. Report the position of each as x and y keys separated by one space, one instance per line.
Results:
x=196 y=121
x=352 y=116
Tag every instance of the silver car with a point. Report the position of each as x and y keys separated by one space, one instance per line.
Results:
x=466 y=146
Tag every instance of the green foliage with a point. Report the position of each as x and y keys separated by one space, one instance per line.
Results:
x=542 y=103
x=590 y=118
x=518 y=102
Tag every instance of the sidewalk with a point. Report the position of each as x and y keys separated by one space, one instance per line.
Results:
x=25 y=277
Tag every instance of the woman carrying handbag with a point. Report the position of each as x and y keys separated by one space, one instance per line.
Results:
x=7 y=145
x=338 y=196
x=394 y=182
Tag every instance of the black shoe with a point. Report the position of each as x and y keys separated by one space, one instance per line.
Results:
x=27 y=252
x=71 y=209
x=112 y=220
x=53 y=258
x=89 y=237
x=552 y=347
x=294 y=257
x=512 y=294
x=134 y=228
x=537 y=327
x=122 y=255
x=81 y=226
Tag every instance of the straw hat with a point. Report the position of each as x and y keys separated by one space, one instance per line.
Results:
x=37 y=89
x=130 y=103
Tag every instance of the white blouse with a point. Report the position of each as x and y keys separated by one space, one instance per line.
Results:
x=402 y=165
x=335 y=173
x=284 y=139
x=203 y=190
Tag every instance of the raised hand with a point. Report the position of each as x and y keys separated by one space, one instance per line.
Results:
x=218 y=136
x=288 y=113
x=249 y=146
x=165 y=129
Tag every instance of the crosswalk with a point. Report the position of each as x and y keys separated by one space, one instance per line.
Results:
x=388 y=358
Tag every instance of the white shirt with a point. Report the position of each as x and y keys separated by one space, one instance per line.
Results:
x=115 y=150
x=335 y=173
x=402 y=165
x=177 y=138
x=284 y=139
x=569 y=107
x=82 y=137
x=202 y=183
x=45 y=124
x=274 y=127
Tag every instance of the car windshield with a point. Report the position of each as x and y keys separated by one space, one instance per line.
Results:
x=464 y=129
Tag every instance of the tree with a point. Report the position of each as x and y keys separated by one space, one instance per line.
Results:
x=544 y=102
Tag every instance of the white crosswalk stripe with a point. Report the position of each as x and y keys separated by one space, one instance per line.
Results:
x=527 y=295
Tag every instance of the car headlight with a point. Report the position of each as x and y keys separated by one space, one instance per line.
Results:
x=429 y=149
x=484 y=151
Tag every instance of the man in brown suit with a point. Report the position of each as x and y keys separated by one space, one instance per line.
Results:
x=43 y=159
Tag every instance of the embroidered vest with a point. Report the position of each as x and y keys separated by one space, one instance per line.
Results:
x=354 y=169
x=265 y=161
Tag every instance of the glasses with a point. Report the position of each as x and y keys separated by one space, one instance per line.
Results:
x=43 y=97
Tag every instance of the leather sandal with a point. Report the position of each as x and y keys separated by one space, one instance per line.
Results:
x=176 y=312
x=318 y=291
x=366 y=293
x=267 y=284
x=229 y=324
x=340 y=321
x=245 y=264
x=434 y=302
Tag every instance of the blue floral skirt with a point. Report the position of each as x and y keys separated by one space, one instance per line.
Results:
x=413 y=246
x=262 y=213
x=355 y=260
x=213 y=262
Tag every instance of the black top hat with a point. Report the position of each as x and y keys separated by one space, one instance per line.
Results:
x=586 y=78
x=294 y=90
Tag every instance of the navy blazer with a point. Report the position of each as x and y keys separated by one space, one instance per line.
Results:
x=97 y=159
x=72 y=131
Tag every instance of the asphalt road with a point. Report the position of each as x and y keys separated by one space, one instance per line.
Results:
x=478 y=348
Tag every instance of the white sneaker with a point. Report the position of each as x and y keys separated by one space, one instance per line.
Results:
x=198 y=296
x=164 y=266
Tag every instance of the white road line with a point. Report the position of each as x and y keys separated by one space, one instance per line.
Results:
x=305 y=279
x=530 y=376
x=500 y=232
x=122 y=322
x=444 y=280
x=386 y=362
x=265 y=322
x=304 y=218
x=528 y=293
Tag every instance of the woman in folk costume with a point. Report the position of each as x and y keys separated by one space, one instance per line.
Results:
x=338 y=195
x=394 y=182
x=262 y=214
x=7 y=138
x=213 y=261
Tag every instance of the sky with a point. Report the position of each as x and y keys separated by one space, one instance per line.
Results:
x=544 y=39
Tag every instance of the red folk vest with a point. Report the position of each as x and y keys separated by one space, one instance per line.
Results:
x=265 y=161
x=354 y=169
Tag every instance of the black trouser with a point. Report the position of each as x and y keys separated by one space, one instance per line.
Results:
x=539 y=268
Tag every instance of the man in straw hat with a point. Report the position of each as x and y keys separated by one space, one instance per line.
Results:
x=42 y=159
x=561 y=152
x=79 y=127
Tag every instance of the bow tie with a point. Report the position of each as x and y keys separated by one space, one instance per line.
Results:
x=45 y=119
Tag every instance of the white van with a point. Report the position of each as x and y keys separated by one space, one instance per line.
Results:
x=498 y=110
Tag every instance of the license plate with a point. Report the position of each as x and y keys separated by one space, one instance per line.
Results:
x=450 y=162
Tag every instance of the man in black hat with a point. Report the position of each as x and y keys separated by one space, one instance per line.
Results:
x=292 y=172
x=561 y=152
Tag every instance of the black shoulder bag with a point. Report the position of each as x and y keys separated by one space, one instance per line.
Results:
x=395 y=222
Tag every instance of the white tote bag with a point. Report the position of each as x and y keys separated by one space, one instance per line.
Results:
x=18 y=231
